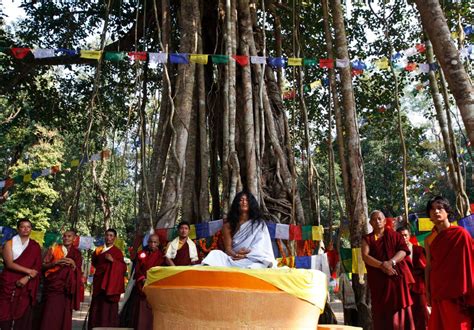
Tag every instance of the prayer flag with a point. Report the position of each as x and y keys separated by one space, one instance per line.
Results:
x=91 y=54
x=424 y=67
x=172 y=233
x=295 y=61
x=55 y=169
x=342 y=62
x=2 y=183
x=315 y=84
x=276 y=62
x=179 y=58
x=411 y=67
x=420 y=48
x=215 y=226
x=119 y=242
x=282 y=231
x=156 y=58
x=327 y=63
x=382 y=64
x=309 y=61
x=202 y=230
x=75 y=163
x=243 y=60
x=85 y=242
x=271 y=229
x=303 y=262
x=51 y=238
x=46 y=172
x=433 y=66
x=27 y=177
x=18 y=179
x=295 y=232
x=220 y=59
x=105 y=154
x=468 y=224
x=162 y=234
x=307 y=232
x=98 y=241
x=288 y=95
x=317 y=233
x=38 y=236
x=358 y=265
x=8 y=183
x=425 y=224
x=199 y=58
x=258 y=59
x=192 y=232
x=114 y=56
x=95 y=157
x=19 y=53
x=43 y=53
x=359 y=65
x=410 y=51
x=66 y=52
x=137 y=56
x=356 y=72
x=468 y=30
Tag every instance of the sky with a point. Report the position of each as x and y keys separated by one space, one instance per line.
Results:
x=11 y=8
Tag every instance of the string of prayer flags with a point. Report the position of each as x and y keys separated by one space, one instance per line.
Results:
x=199 y=58
x=114 y=56
x=326 y=63
x=91 y=54
x=157 y=58
x=220 y=59
x=179 y=58
x=382 y=63
x=282 y=231
x=271 y=229
x=307 y=232
x=242 y=60
x=359 y=65
x=425 y=224
x=303 y=262
x=342 y=62
x=295 y=61
x=309 y=62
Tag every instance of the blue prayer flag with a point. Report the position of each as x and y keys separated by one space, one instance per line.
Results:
x=202 y=230
x=303 y=262
x=271 y=229
x=276 y=62
x=179 y=58
x=468 y=224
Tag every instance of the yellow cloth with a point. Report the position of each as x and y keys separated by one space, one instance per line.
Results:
x=120 y=243
x=425 y=224
x=315 y=84
x=27 y=178
x=198 y=58
x=192 y=232
x=38 y=236
x=295 y=61
x=317 y=233
x=358 y=265
x=91 y=54
x=306 y=284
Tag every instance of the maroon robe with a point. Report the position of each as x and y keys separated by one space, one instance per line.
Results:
x=15 y=302
x=452 y=279
x=390 y=295
x=143 y=315
x=417 y=264
x=182 y=256
x=107 y=286
x=62 y=288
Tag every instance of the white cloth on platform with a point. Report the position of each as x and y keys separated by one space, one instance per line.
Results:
x=254 y=237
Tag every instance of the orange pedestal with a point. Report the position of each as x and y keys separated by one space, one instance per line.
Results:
x=219 y=299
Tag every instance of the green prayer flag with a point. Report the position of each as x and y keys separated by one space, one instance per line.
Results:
x=346 y=259
x=172 y=233
x=309 y=61
x=114 y=56
x=307 y=232
x=220 y=59
x=306 y=89
x=18 y=179
x=51 y=238
x=421 y=238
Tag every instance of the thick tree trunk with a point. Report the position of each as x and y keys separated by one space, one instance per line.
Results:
x=180 y=119
x=358 y=216
x=434 y=23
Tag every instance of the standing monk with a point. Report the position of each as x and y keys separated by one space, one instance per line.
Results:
x=108 y=283
x=449 y=271
x=418 y=293
x=181 y=251
x=19 y=280
x=384 y=252
x=62 y=284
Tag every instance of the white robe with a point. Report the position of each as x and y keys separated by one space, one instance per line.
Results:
x=257 y=239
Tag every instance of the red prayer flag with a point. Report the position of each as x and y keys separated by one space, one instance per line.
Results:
x=288 y=95
x=327 y=63
x=420 y=48
x=19 y=53
x=356 y=72
x=410 y=67
x=75 y=243
x=162 y=234
x=137 y=56
x=296 y=233
x=243 y=60
x=9 y=183
x=55 y=169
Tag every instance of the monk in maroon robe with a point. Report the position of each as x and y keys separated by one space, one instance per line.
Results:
x=449 y=270
x=417 y=263
x=389 y=276
x=62 y=284
x=181 y=251
x=151 y=257
x=19 y=280
x=108 y=283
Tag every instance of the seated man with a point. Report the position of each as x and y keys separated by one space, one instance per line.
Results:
x=247 y=241
x=181 y=251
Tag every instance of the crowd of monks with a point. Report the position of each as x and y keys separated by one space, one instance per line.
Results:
x=404 y=279
x=63 y=290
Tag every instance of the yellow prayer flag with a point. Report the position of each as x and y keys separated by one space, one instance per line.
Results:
x=454 y=35
x=295 y=61
x=192 y=232
x=454 y=223
x=382 y=64
x=425 y=224
x=120 y=243
x=27 y=177
x=91 y=54
x=75 y=163
x=315 y=84
x=38 y=236
x=358 y=265
x=317 y=233
x=198 y=58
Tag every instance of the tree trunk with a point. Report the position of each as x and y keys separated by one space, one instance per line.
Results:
x=358 y=216
x=434 y=23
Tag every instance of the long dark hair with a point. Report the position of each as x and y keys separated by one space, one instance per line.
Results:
x=234 y=212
